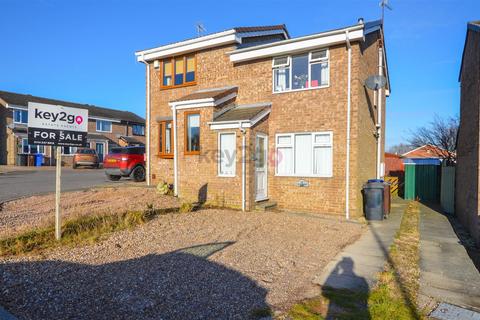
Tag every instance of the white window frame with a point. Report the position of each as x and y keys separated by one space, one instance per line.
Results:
x=70 y=148
x=289 y=65
x=138 y=125
x=21 y=121
x=97 y=122
x=292 y=145
x=219 y=173
x=30 y=147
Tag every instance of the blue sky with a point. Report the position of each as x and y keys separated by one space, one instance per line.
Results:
x=83 y=51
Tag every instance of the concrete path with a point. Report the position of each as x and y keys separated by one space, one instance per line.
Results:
x=447 y=272
x=356 y=267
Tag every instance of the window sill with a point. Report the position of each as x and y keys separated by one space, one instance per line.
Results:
x=103 y=131
x=192 y=153
x=226 y=176
x=305 y=89
x=165 y=156
x=302 y=176
x=162 y=87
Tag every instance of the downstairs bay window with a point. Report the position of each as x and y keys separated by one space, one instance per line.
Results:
x=299 y=72
x=306 y=154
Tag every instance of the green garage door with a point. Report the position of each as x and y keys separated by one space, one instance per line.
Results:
x=422 y=181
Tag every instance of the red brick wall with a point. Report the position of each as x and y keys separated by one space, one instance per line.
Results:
x=467 y=168
x=311 y=110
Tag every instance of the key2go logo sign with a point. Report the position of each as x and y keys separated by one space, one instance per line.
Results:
x=57 y=117
x=61 y=116
x=57 y=125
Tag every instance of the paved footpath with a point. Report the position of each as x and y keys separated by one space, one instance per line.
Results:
x=447 y=273
x=356 y=267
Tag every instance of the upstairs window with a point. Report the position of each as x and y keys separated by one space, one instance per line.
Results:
x=165 y=139
x=178 y=71
x=299 y=72
x=192 y=133
x=104 y=126
x=20 y=116
x=138 y=130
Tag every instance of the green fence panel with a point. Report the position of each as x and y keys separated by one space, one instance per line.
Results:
x=447 y=193
x=423 y=182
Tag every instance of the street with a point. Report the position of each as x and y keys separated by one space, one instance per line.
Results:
x=17 y=184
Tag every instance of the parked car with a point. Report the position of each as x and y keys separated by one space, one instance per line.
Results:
x=125 y=162
x=85 y=157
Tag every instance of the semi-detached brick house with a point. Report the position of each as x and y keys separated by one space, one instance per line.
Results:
x=250 y=114
x=107 y=128
x=467 y=173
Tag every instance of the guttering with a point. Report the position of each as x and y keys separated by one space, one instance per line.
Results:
x=147 y=120
x=244 y=170
x=347 y=161
x=379 y=116
x=208 y=41
x=298 y=44
x=175 y=153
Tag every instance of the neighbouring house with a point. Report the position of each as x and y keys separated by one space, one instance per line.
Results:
x=426 y=152
x=394 y=166
x=250 y=115
x=107 y=128
x=467 y=168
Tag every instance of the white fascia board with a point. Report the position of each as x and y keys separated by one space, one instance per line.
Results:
x=104 y=119
x=229 y=125
x=13 y=106
x=200 y=103
x=296 y=45
x=214 y=40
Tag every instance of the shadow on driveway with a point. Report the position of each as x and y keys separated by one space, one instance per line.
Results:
x=178 y=285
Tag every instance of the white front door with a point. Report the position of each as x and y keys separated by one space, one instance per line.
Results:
x=261 y=157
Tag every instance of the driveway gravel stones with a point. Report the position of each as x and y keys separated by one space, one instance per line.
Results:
x=37 y=211
x=209 y=264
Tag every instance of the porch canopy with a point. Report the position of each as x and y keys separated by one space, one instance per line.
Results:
x=240 y=116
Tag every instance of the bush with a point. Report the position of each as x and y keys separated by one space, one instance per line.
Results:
x=186 y=207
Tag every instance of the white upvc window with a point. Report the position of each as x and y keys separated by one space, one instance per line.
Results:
x=31 y=148
x=304 y=154
x=69 y=150
x=104 y=126
x=227 y=154
x=301 y=72
x=20 y=116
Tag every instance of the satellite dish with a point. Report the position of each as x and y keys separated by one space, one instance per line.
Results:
x=376 y=82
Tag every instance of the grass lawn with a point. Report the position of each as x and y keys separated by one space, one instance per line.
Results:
x=395 y=294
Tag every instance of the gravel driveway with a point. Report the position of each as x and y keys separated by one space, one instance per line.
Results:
x=37 y=211
x=209 y=264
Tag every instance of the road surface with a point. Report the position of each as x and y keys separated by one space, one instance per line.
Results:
x=18 y=184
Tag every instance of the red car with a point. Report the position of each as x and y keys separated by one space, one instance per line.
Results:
x=125 y=162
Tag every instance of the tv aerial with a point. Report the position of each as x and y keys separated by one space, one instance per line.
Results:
x=200 y=29
x=376 y=82
x=384 y=4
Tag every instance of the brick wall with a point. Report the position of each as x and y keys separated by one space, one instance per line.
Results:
x=3 y=135
x=302 y=111
x=467 y=171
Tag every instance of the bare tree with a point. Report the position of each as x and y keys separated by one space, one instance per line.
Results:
x=441 y=134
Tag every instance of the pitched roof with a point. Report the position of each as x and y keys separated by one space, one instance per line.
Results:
x=262 y=28
x=471 y=26
x=242 y=112
x=18 y=99
x=131 y=140
x=214 y=93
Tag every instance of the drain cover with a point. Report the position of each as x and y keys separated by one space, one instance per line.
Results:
x=446 y=311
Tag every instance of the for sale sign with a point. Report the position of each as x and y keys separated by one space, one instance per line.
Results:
x=57 y=125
